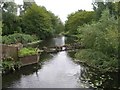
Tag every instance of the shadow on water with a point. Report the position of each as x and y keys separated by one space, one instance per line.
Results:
x=98 y=79
x=16 y=76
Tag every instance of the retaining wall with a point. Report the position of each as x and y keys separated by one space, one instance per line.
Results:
x=30 y=59
x=9 y=51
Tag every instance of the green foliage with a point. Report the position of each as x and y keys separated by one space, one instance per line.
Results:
x=9 y=19
x=10 y=23
x=0 y=31
x=18 y=38
x=33 y=20
x=9 y=64
x=27 y=5
x=78 y=19
x=102 y=5
x=57 y=24
x=0 y=27
x=97 y=59
x=9 y=7
x=102 y=38
x=27 y=51
x=102 y=35
x=37 y=21
x=98 y=8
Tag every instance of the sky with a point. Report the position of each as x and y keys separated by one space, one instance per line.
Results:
x=63 y=8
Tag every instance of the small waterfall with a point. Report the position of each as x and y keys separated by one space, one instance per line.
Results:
x=59 y=41
x=63 y=40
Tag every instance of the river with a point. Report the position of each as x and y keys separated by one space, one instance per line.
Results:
x=56 y=70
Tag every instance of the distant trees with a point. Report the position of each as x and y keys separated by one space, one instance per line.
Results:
x=98 y=7
x=9 y=19
x=37 y=21
x=58 y=26
x=98 y=32
x=77 y=19
x=33 y=19
x=10 y=23
x=9 y=7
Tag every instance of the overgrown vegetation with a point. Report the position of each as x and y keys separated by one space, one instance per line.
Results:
x=27 y=51
x=77 y=19
x=100 y=37
x=18 y=38
x=8 y=64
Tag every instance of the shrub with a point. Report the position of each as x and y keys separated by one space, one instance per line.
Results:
x=27 y=51
x=9 y=64
x=97 y=59
x=101 y=42
x=18 y=37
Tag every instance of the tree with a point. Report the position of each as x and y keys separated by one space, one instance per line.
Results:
x=113 y=8
x=27 y=5
x=77 y=19
x=9 y=19
x=57 y=24
x=10 y=23
x=98 y=7
x=9 y=7
x=37 y=21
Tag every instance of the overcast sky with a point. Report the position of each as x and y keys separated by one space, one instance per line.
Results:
x=62 y=8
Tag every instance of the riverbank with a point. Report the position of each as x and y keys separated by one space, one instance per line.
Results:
x=96 y=68
x=97 y=60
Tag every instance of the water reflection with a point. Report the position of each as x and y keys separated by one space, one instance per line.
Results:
x=59 y=71
x=59 y=41
x=8 y=80
x=98 y=79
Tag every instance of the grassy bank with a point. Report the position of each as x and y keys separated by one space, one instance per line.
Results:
x=97 y=60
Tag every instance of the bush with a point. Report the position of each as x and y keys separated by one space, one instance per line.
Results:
x=27 y=51
x=9 y=64
x=97 y=59
x=18 y=38
x=101 y=42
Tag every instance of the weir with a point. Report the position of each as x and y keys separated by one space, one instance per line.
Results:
x=62 y=48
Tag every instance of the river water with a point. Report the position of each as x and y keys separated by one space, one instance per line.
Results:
x=56 y=70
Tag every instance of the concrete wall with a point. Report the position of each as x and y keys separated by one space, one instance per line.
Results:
x=9 y=51
x=27 y=60
x=12 y=51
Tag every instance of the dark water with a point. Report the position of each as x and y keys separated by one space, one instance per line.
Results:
x=57 y=70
